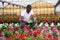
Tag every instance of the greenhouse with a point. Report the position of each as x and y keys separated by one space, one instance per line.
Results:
x=29 y=19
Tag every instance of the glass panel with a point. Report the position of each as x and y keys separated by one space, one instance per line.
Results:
x=44 y=7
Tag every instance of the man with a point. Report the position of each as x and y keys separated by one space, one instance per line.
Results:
x=25 y=16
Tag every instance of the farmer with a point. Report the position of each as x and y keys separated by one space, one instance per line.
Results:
x=25 y=16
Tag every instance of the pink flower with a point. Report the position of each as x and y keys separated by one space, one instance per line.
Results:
x=14 y=26
x=55 y=38
x=54 y=27
x=55 y=31
x=43 y=31
x=26 y=28
x=10 y=27
x=9 y=30
x=33 y=16
x=38 y=26
x=46 y=27
x=36 y=31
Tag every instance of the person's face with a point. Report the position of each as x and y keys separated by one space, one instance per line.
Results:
x=28 y=9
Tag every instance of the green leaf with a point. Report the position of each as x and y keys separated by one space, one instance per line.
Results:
x=30 y=21
x=0 y=25
x=21 y=31
x=58 y=27
x=55 y=34
x=12 y=24
x=5 y=25
x=8 y=33
x=49 y=39
x=41 y=36
x=17 y=25
x=35 y=26
x=29 y=38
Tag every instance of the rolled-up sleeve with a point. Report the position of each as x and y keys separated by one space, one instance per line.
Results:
x=32 y=12
x=22 y=14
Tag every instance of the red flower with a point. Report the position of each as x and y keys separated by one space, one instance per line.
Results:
x=1 y=20
x=52 y=19
x=38 y=32
x=28 y=28
x=14 y=36
x=0 y=33
x=22 y=36
x=9 y=30
x=14 y=26
x=44 y=20
x=33 y=38
x=50 y=36
x=30 y=33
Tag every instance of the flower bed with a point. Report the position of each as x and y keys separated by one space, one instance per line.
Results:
x=40 y=31
x=9 y=18
x=48 y=18
x=39 y=17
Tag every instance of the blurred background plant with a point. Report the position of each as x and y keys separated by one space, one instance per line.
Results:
x=7 y=18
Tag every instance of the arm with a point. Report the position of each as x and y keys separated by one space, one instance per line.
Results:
x=22 y=19
x=33 y=15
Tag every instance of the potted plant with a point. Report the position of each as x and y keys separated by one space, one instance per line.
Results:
x=8 y=34
x=55 y=31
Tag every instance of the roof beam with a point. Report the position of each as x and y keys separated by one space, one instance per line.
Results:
x=57 y=3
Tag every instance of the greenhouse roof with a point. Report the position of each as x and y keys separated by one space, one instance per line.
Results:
x=1 y=6
x=24 y=2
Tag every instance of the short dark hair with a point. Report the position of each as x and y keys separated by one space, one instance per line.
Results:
x=28 y=6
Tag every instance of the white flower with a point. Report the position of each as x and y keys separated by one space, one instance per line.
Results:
x=58 y=24
x=16 y=24
x=50 y=32
x=0 y=25
x=52 y=24
x=41 y=24
x=16 y=32
x=46 y=24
